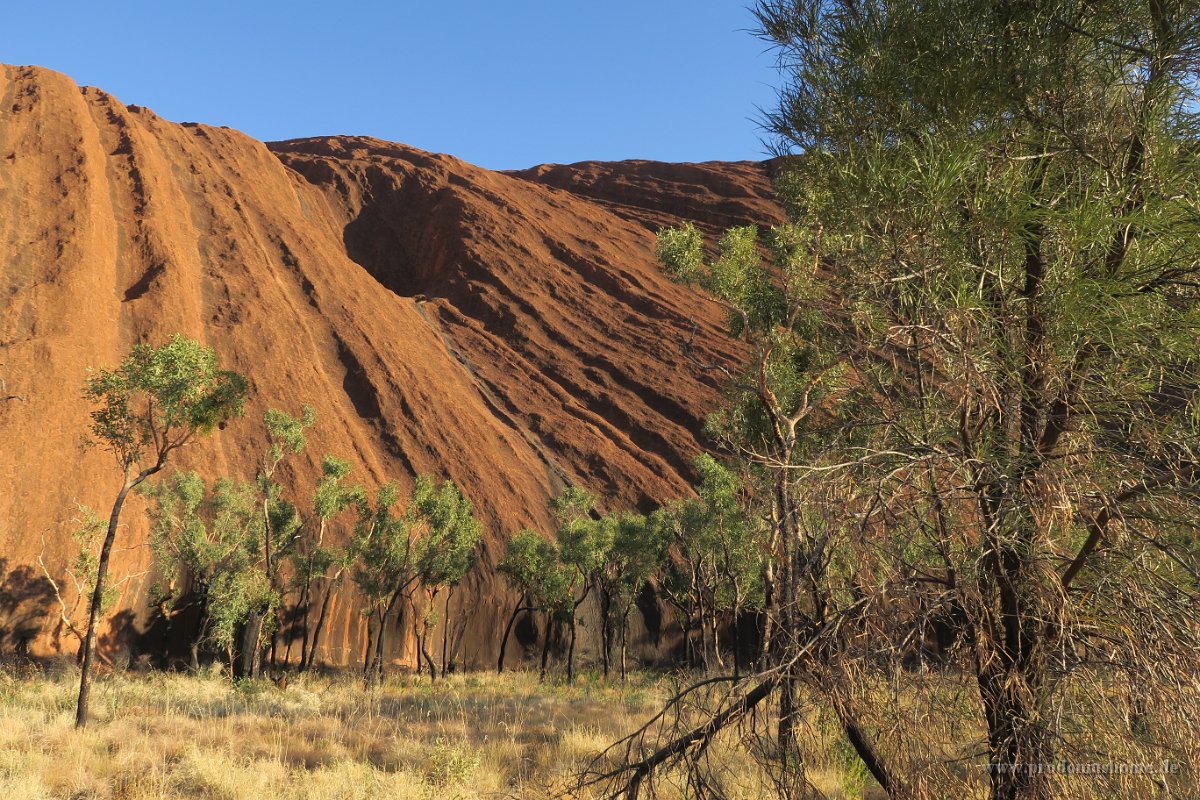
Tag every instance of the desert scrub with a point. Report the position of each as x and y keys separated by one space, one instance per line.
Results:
x=167 y=735
x=159 y=735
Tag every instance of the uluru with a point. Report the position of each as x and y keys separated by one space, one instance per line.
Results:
x=509 y=331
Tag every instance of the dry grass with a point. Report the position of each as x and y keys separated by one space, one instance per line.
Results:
x=165 y=735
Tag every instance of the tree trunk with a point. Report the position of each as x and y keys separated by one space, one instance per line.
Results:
x=1017 y=744
x=380 y=643
x=546 y=646
x=423 y=637
x=605 y=630
x=372 y=626
x=508 y=629
x=769 y=612
x=381 y=636
x=89 y=639
x=737 y=642
x=316 y=638
x=624 y=643
x=717 y=641
x=198 y=639
x=571 y=652
x=689 y=651
x=789 y=620
x=424 y=642
x=864 y=747
x=305 y=603
x=249 y=657
x=446 y=627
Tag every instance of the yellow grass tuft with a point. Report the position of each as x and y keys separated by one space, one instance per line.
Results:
x=168 y=735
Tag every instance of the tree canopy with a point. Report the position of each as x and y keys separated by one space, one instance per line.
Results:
x=969 y=411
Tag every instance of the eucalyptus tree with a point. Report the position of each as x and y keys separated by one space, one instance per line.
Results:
x=156 y=401
x=583 y=546
x=383 y=568
x=316 y=560
x=206 y=544
x=282 y=526
x=431 y=542
x=526 y=555
x=447 y=541
x=635 y=555
x=719 y=553
x=534 y=566
x=971 y=390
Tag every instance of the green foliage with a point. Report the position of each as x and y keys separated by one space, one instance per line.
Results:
x=721 y=546
x=159 y=397
x=738 y=276
x=157 y=400
x=383 y=546
x=314 y=557
x=970 y=393
x=550 y=573
x=445 y=550
x=451 y=766
x=776 y=304
x=87 y=536
x=532 y=564
x=583 y=544
x=207 y=544
x=332 y=495
x=634 y=556
x=233 y=597
x=222 y=547
x=286 y=434
x=433 y=540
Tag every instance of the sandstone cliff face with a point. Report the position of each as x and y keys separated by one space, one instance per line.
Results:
x=510 y=332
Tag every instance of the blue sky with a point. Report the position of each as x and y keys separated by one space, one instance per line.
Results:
x=501 y=84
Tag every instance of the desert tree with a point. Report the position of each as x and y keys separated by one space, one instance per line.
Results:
x=447 y=540
x=635 y=556
x=318 y=560
x=430 y=541
x=995 y=225
x=527 y=558
x=715 y=573
x=206 y=542
x=531 y=564
x=583 y=545
x=383 y=569
x=282 y=527
x=156 y=401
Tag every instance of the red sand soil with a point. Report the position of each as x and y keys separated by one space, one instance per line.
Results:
x=509 y=331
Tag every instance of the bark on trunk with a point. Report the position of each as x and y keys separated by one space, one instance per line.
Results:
x=624 y=646
x=546 y=647
x=372 y=627
x=446 y=627
x=380 y=643
x=305 y=604
x=316 y=638
x=249 y=657
x=89 y=639
x=571 y=652
x=606 y=631
x=1018 y=746
x=198 y=639
x=508 y=629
